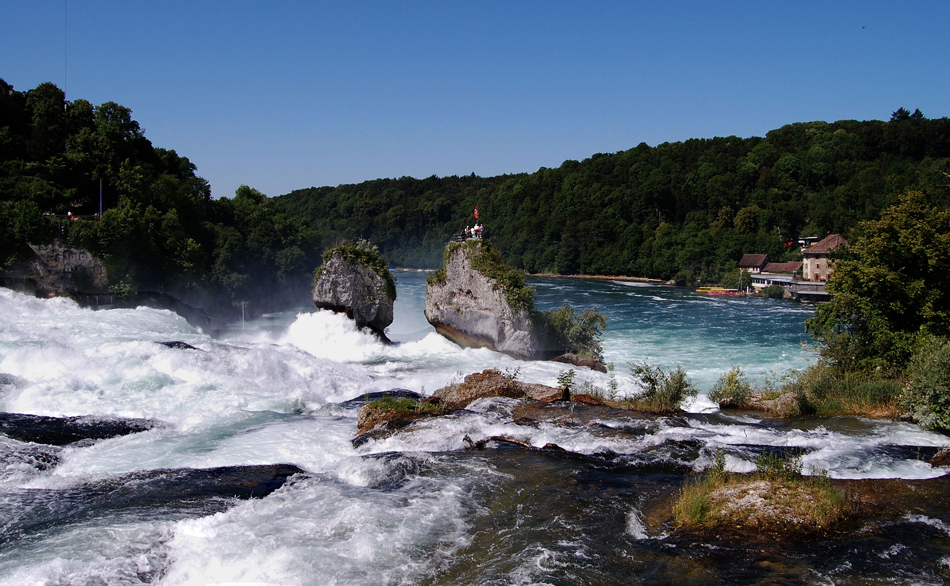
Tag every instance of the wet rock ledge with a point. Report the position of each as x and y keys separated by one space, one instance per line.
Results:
x=389 y=413
x=61 y=431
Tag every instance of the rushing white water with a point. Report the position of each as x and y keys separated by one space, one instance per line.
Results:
x=390 y=511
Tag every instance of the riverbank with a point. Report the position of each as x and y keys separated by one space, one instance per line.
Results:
x=600 y=278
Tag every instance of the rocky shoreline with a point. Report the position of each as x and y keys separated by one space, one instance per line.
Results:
x=748 y=509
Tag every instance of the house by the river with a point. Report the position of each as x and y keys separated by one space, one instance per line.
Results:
x=802 y=280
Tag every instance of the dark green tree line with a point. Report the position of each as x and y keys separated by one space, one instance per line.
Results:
x=686 y=210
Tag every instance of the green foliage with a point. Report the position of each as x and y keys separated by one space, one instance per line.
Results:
x=160 y=230
x=927 y=395
x=733 y=280
x=771 y=466
x=664 y=391
x=436 y=277
x=486 y=259
x=399 y=404
x=826 y=390
x=890 y=289
x=732 y=389
x=364 y=254
x=575 y=333
x=773 y=292
x=565 y=380
x=685 y=209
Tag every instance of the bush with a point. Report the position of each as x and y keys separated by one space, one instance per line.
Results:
x=436 y=277
x=826 y=390
x=732 y=390
x=927 y=395
x=773 y=292
x=665 y=391
x=575 y=333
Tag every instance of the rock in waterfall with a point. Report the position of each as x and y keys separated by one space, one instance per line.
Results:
x=474 y=301
x=353 y=280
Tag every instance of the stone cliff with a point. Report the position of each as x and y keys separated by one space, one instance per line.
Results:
x=355 y=289
x=55 y=269
x=474 y=310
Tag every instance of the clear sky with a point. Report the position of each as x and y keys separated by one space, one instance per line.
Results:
x=284 y=95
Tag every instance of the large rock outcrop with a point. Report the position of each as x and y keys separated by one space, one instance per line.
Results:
x=356 y=290
x=54 y=269
x=473 y=310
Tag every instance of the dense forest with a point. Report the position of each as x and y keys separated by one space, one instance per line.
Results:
x=160 y=230
x=684 y=211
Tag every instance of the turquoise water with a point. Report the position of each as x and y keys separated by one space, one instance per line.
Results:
x=661 y=324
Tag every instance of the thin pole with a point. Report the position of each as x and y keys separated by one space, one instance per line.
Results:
x=100 y=199
x=65 y=52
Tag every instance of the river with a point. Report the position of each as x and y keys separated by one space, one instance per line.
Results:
x=184 y=502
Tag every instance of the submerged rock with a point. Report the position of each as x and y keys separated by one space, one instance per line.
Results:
x=356 y=290
x=179 y=345
x=472 y=309
x=60 y=431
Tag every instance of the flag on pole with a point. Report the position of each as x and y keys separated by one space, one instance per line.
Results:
x=476 y=212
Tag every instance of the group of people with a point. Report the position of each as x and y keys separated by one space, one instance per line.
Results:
x=473 y=232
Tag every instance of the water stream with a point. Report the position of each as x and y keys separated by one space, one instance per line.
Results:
x=197 y=499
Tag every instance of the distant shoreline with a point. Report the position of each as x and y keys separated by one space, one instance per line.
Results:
x=557 y=276
x=601 y=278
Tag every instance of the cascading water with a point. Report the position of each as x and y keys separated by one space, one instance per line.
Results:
x=197 y=498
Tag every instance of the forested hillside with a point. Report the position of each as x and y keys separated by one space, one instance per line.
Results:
x=160 y=230
x=685 y=210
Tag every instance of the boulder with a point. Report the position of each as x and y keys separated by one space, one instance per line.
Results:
x=582 y=361
x=472 y=310
x=941 y=458
x=492 y=383
x=355 y=290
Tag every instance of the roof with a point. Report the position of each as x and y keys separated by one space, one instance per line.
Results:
x=783 y=267
x=827 y=244
x=753 y=261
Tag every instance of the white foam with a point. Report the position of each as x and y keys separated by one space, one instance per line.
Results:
x=322 y=532
x=635 y=526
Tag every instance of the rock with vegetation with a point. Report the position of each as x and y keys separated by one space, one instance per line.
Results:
x=355 y=279
x=389 y=413
x=777 y=500
x=393 y=411
x=494 y=383
x=476 y=300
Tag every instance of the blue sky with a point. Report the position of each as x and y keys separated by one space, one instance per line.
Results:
x=284 y=95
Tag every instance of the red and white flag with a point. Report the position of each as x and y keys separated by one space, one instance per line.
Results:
x=476 y=212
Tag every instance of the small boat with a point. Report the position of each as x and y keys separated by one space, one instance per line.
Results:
x=718 y=291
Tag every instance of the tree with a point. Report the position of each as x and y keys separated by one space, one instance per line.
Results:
x=890 y=290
